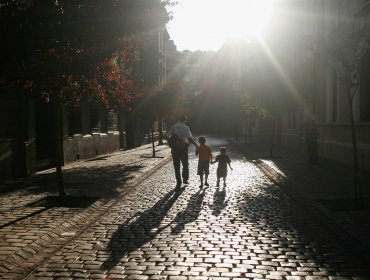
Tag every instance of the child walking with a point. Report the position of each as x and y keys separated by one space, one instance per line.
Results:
x=205 y=157
x=223 y=161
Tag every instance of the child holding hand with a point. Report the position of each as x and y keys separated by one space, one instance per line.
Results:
x=223 y=161
x=205 y=157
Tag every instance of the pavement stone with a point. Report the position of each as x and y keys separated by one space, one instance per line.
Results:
x=314 y=183
x=143 y=228
x=26 y=230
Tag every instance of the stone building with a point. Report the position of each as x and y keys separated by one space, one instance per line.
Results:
x=334 y=60
x=28 y=126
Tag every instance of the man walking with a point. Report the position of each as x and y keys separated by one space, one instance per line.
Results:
x=180 y=150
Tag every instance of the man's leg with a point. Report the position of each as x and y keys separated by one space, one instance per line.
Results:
x=176 y=166
x=185 y=166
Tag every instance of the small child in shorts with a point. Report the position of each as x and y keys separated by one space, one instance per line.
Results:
x=223 y=161
x=205 y=157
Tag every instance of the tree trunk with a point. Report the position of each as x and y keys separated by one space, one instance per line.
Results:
x=355 y=157
x=152 y=134
x=58 y=153
x=160 y=128
x=272 y=137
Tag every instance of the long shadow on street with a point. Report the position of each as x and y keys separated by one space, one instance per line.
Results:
x=139 y=229
x=100 y=181
x=275 y=226
x=191 y=212
x=283 y=223
x=219 y=200
x=83 y=186
x=282 y=226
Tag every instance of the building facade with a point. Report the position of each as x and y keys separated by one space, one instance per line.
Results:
x=335 y=84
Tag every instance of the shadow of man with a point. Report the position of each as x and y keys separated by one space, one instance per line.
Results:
x=139 y=229
x=191 y=213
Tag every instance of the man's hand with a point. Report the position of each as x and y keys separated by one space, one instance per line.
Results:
x=193 y=142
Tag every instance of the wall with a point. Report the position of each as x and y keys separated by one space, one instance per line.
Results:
x=80 y=146
x=5 y=160
x=13 y=133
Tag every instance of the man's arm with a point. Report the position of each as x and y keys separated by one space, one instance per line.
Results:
x=191 y=140
x=189 y=136
x=169 y=133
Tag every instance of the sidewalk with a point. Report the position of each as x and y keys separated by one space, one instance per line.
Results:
x=33 y=219
x=327 y=187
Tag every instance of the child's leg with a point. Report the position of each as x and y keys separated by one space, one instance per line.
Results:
x=218 y=181
x=206 y=172
x=201 y=180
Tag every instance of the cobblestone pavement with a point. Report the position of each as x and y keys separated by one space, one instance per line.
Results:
x=315 y=184
x=29 y=229
x=249 y=229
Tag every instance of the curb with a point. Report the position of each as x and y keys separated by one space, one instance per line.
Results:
x=25 y=261
x=336 y=225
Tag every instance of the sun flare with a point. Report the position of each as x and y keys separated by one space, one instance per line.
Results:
x=206 y=24
x=242 y=18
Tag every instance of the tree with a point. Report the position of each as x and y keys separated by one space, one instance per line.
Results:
x=252 y=111
x=63 y=49
x=158 y=104
x=351 y=77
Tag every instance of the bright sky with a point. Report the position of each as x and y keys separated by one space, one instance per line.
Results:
x=206 y=24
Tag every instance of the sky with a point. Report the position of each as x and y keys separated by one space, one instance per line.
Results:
x=206 y=24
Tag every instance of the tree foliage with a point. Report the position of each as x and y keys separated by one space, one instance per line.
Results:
x=66 y=48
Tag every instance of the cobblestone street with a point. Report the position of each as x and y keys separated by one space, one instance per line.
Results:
x=185 y=140
x=248 y=229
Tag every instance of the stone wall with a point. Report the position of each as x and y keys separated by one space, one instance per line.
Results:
x=88 y=146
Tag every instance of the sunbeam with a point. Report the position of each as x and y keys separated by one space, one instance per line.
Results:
x=287 y=81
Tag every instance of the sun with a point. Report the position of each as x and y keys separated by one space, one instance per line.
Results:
x=246 y=18
x=206 y=24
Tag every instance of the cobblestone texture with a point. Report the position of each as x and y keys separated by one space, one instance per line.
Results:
x=248 y=229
